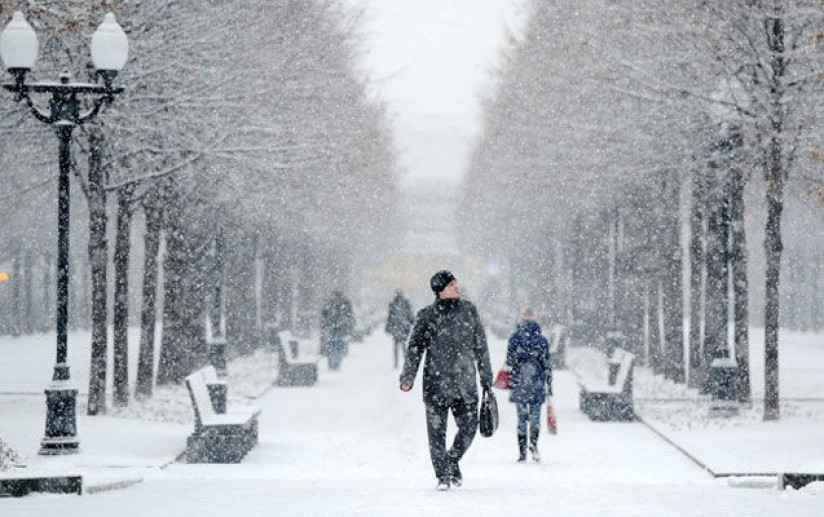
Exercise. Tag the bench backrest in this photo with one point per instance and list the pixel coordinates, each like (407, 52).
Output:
(282, 357)
(209, 375)
(199, 393)
(626, 360)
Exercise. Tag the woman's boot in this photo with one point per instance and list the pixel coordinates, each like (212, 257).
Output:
(533, 443)
(521, 448)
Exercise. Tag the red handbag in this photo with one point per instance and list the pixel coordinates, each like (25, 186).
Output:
(502, 380)
(551, 420)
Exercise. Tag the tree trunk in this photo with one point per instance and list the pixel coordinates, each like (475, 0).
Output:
(196, 277)
(269, 304)
(697, 367)
(120, 318)
(740, 282)
(287, 290)
(774, 27)
(673, 304)
(148, 317)
(716, 308)
(612, 255)
(15, 295)
(772, 245)
(28, 293)
(218, 284)
(98, 259)
(237, 289)
(654, 357)
(175, 363)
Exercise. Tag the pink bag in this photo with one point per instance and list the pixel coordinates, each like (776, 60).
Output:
(551, 420)
(502, 380)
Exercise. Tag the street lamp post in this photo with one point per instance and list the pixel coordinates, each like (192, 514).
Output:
(217, 344)
(109, 49)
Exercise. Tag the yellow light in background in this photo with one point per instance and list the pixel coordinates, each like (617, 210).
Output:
(3, 276)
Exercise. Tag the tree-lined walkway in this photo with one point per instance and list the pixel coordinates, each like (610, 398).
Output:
(354, 444)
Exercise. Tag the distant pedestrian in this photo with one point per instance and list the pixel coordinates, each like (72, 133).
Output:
(528, 358)
(450, 334)
(337, 323)
(399, 323)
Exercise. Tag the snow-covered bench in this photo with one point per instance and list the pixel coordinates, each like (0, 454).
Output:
(293, 371)
(218, 437)
(611, 400)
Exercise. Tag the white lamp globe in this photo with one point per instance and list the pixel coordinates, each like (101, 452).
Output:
(18, 44)
(110, 47)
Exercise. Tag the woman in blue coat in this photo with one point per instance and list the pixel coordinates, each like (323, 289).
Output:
(528, 358)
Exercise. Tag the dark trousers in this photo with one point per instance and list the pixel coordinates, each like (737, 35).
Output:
(466, 418)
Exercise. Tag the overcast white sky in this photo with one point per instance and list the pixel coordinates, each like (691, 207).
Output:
(430, 59)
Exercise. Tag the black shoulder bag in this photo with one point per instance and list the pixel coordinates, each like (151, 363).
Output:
(488, 417)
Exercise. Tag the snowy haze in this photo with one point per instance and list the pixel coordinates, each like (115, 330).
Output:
(430, 60)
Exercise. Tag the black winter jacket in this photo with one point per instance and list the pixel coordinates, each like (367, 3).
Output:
(400, 318)
(450, 333)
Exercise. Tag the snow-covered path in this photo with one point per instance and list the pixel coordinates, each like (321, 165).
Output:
(354, 444)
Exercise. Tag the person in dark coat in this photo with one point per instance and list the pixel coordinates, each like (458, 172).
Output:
(337, 322)
(449, 333)
(399, 322)
(528, 358)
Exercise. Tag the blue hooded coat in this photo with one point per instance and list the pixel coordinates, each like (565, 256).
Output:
(528, 356)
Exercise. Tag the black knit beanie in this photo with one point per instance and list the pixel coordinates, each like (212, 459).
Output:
(440, 280)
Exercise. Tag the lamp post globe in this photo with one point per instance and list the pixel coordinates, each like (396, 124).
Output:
(18, 44)
(109, 46)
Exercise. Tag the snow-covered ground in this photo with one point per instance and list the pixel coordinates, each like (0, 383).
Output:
(355, 445)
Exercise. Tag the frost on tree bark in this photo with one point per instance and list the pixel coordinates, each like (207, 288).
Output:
(697, 367)
(673, 300)
(98, 258)
(175, 363)
(740, 282)
(716, 307)
(120, 319)
(772, 245)
(776, 175)
(145, 366)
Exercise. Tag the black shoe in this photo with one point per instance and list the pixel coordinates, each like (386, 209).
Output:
(521, 448)
(533, 444)
(456, 478)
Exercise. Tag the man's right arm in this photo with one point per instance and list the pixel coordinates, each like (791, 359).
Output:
(418, 342)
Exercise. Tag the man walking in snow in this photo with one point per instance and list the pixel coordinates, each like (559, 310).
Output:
(337, 322)
(450, 334)
(399, 322)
